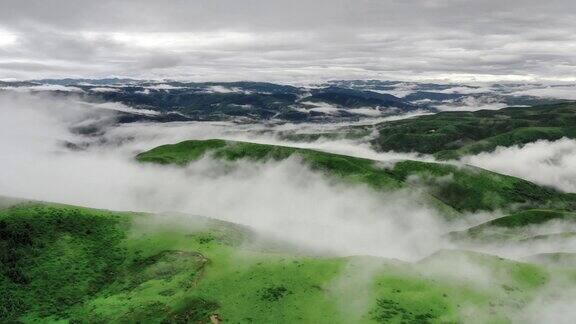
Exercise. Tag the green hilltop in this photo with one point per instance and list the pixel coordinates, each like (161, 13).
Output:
(449, 135)
(451, 188)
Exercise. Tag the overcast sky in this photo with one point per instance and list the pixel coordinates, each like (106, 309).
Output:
(290, 40)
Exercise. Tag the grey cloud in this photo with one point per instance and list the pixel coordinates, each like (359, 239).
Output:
(296, 39)
(161, 61)
(25, 66)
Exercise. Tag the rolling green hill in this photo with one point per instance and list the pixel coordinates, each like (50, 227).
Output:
(69, 264)
(449, 135)
(452, 188)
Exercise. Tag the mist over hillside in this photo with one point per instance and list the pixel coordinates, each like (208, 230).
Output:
(315, 189)
(326, 161)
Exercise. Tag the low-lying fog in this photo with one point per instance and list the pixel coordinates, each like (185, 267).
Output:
(45, 158)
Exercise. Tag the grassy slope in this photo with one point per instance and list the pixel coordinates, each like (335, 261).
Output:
(348, 167)
(530, 217)
(449, 135)
(75, 251)
(452, 188)
(513, 226)
(81, 265)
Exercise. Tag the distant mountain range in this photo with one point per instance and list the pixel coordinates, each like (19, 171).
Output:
(259, 101)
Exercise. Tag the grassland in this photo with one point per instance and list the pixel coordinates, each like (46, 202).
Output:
(76, 265)
(449, 135)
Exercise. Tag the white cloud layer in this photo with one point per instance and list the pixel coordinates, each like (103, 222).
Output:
(561, 92)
